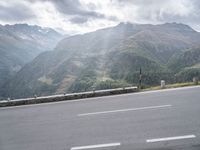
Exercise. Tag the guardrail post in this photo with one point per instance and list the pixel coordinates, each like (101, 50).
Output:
(195, 80)
(162, 84)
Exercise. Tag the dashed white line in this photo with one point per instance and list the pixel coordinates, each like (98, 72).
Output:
(124, 110)
(170, 138)
(96, 146)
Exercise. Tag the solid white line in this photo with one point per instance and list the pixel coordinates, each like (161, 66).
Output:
(96, 146)
(124, 110)
(171, 138)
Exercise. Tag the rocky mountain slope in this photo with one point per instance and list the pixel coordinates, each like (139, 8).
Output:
(107, 58)
(20, 44)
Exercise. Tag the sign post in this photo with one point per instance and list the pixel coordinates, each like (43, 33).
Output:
(140, 79)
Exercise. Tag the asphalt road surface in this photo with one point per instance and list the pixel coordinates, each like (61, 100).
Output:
(157, 120)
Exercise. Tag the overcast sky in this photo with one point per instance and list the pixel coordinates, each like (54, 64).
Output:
(80, 16)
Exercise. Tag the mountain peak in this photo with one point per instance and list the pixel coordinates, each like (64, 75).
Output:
(18, 25)
(179, 26)
(127, 24)
(173, 25)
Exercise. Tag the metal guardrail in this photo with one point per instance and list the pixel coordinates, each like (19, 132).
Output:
(65, 97)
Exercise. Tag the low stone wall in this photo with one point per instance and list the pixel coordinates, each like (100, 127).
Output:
(73, 96)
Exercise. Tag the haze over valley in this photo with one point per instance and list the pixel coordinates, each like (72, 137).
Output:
(55, 47)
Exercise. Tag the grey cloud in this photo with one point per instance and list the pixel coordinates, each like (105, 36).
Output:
(73, 7)
(152, 10)
(147, 11)
(15, 12)
(142, 2)
(79, 20)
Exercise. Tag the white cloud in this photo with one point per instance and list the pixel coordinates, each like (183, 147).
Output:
(79, 16)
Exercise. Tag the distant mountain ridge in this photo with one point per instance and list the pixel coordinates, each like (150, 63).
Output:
(21, 43)
(33, 33)
(108, 58)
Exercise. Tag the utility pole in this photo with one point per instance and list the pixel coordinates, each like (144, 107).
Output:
(140, 79)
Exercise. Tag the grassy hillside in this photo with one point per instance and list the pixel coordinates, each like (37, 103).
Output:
(110, 58)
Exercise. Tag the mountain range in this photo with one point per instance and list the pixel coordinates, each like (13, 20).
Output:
(20, 44)
(109, 58)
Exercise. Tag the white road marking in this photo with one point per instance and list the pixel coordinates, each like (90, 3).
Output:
(170, 138)
(96, 146)
(125, 110)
